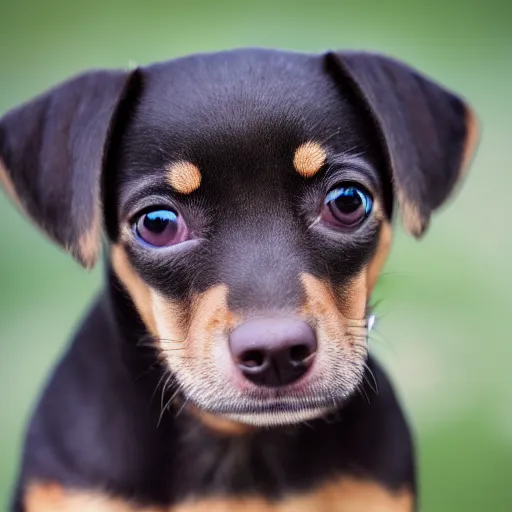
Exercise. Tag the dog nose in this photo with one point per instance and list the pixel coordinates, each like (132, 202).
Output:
(273, 352)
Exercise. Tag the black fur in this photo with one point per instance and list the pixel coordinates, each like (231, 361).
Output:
(239, 116)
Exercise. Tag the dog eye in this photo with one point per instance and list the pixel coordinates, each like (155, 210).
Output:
(347, 206)
(161, 228)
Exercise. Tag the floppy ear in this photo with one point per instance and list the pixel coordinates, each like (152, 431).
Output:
(429, 133)
(52, 152)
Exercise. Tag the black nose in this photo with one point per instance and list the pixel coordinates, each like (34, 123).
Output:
(273, 352)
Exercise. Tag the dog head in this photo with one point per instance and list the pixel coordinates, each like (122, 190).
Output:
(247, 198)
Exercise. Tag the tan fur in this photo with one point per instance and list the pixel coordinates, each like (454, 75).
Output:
(53, 498)
(209, 318)
(8, 186)
(139, 291)
(219, 424)
(309, 159)
(325, 304)
(338, 317)
(184, 177)
(342, 495)
(208, 323)
(352, 299)
(170, 321)
(89, 243)
(208, 313)
(472, 136)
(375, 266)
(163, 318)
(413, 221)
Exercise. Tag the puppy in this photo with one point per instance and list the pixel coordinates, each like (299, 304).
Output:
(246, 200)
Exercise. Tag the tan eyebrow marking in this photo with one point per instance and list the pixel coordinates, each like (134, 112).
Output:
(309, 159)
(184, 177)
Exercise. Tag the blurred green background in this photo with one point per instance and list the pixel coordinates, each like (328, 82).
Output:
(443, 329)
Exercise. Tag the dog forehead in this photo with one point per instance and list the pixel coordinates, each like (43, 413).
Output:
(236, 123)
(249, 102)
(222, 84)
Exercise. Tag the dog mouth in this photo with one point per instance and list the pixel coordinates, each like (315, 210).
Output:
(279, 416)
(273, 414)
(277, 407)
(273, 407)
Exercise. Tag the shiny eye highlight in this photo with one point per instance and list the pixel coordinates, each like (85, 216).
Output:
(347, 206)
(161, 228)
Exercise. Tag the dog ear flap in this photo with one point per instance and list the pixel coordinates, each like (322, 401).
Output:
(429, 133)
(52, 152)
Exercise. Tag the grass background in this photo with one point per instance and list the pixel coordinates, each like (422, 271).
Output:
(444, 319)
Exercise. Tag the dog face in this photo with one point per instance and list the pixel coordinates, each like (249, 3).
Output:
(247, 198)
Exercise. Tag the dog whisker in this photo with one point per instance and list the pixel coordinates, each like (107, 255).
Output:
(168, 403)
(164, 389)
(396, 273)
(382, 341)
(145, 343)
(360, 338)
(163, 376)
(357, 323)
(363, 393)
(375, 386)
(329, 137)
(182, 406)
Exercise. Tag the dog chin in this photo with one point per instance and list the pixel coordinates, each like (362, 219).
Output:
(276, 411)
(278, 418)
